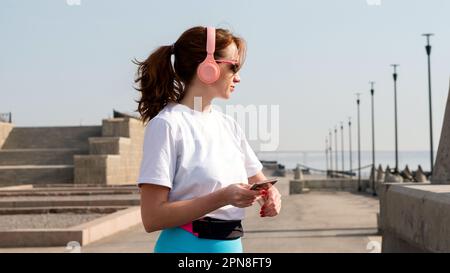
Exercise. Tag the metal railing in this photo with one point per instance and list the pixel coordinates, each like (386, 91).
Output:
(330, 172)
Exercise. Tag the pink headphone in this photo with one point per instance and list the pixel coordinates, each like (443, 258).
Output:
(208, 71)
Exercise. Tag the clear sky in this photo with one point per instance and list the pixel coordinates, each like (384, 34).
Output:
(64, 64)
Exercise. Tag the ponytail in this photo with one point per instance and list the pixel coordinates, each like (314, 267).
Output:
(158, 83)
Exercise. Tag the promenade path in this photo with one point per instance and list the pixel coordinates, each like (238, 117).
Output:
(318, 221)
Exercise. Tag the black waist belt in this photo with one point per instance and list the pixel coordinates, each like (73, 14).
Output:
(211, 228)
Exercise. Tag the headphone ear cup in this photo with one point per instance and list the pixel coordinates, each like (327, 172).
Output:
(208, 71)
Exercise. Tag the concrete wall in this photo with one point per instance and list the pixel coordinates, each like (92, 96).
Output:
(12, 157)
(328, 185)
(5, 129)
(415, 217)
(51, 137)
(113, 158)
(36, 175)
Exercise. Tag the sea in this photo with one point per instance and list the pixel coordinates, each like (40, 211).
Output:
(317, 160)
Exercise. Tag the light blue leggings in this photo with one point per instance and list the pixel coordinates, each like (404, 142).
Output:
(178, 240)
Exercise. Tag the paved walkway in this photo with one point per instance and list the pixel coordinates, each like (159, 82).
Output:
(312, 222)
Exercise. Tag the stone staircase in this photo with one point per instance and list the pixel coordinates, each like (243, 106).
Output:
(43, 155)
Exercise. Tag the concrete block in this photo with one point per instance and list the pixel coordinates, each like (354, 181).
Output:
(90, 169)
(83, 234)
(329, 184)
(415, 217)
(110, 224)
(19, 188)
(109, 145)
(39, 237)
(122, 137)
(35, 174)
(116, 127)
(100, 169)
(296, 186)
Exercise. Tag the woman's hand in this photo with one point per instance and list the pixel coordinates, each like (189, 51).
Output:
(272, 202)
(240, 195)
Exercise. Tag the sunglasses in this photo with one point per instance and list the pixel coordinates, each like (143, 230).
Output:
(234, 64)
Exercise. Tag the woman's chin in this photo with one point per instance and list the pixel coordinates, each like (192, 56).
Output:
(226, 95)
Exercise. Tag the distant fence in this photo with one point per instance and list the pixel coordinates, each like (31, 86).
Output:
(330, 172)
(6, 117)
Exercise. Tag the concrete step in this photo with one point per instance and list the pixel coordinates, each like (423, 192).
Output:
(45, 210)
(36, 174)
(81, 192)
(70, 201)
(85, 186)
(14, 157)
(51, 137)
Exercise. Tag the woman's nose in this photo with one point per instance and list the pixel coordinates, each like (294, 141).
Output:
(236, 78)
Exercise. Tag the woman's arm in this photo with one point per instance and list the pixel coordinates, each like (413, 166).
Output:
(157, 213)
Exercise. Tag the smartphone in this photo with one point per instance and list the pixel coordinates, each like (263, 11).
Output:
(263, 184)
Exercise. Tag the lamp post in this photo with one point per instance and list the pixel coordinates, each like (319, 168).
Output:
(350, 144)
(358, 102)
(331, 153)
(372, 91)
(428, 49)
(342, 146)
(395, 117)
(335, 147)
(326, 153)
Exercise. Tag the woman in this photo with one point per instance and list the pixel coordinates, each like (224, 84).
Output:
(197, 165)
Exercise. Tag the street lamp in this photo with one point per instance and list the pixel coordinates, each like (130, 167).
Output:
(326, 153)
(350, 143)
(335, 146)
(359, 143)
(331, 153)
(395, 104)
(428, 49)
(342, 146)
(372, 91)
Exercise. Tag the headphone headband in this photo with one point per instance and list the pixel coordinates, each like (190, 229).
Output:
(210, 40)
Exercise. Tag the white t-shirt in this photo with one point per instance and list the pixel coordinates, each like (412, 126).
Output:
(196, 153)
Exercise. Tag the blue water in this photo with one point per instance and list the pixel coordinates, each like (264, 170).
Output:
(317, 159)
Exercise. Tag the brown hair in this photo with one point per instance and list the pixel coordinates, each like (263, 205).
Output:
(160, 83)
